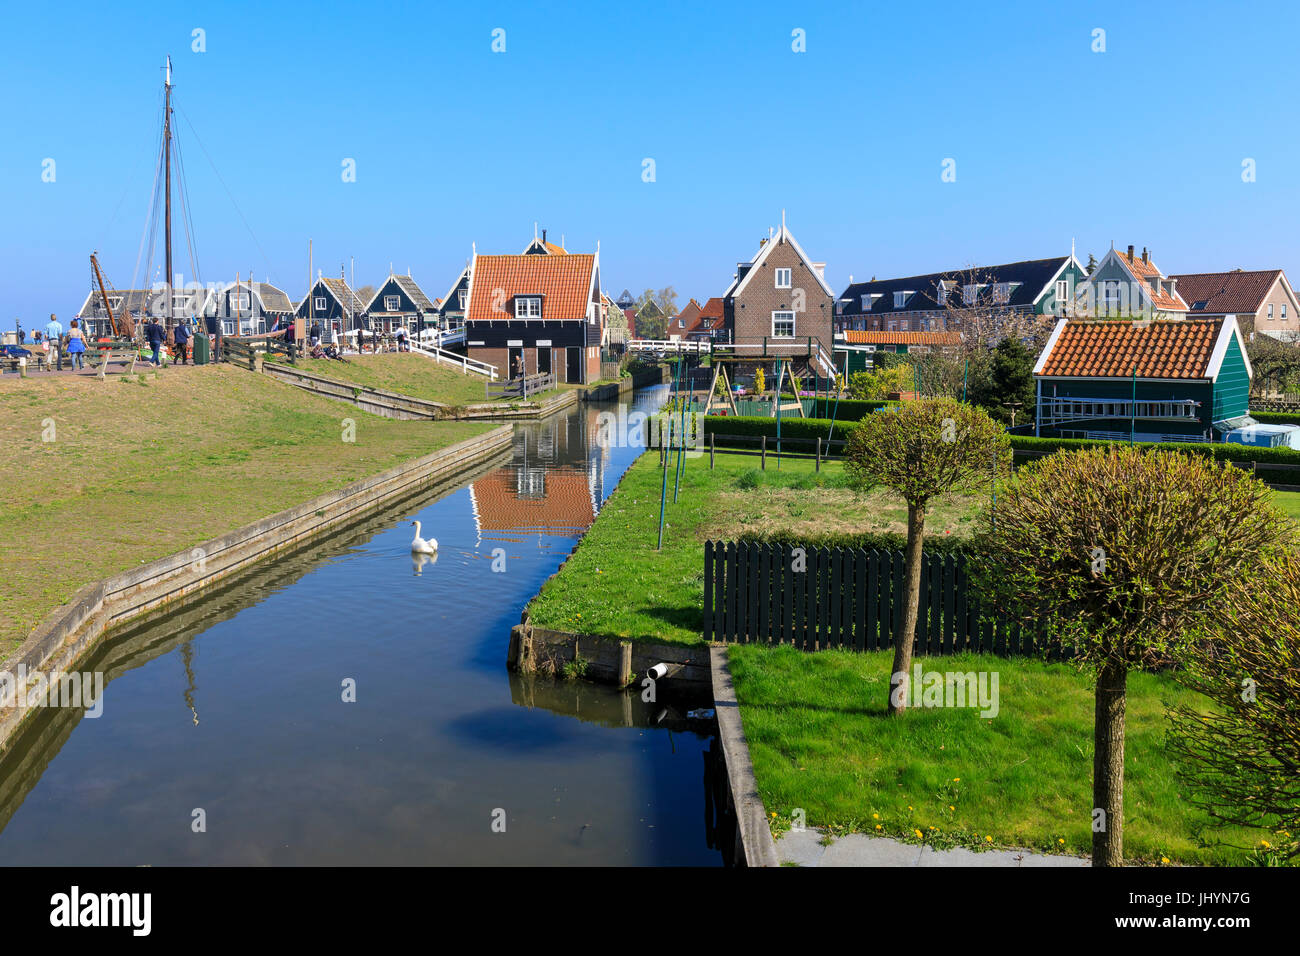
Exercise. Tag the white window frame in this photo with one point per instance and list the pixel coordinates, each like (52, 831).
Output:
(115, 301)
(528, 307)
(460, 297)
(392, 303)
(867, 301)
(1283, 312)
(900, 299)
(1270, 311)
(970, 293)
(783, 313)
(788, 274)
(1002, 293)
(320, 304)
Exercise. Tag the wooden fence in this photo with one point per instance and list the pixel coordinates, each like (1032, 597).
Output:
(849, 598)
(521, 387)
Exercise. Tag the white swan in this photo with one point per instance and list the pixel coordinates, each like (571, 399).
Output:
(419, 545)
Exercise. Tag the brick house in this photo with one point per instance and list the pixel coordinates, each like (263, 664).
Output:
(1262, 301)
(543, 309)
(934, 302)
(683, 323)
(779, 305)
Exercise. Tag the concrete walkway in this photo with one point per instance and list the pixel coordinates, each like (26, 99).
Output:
(804, 848)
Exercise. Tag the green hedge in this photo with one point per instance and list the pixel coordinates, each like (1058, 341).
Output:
(849, 409)
(1276, 418)
(1219, 452)
(877, 540)
(752, 426)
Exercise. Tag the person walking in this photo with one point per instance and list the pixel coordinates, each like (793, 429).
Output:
(315, 334)
(182, 337)
(154, 334)
(53, 333)
(76, 345)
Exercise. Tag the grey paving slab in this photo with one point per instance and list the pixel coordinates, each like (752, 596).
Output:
(858, 849)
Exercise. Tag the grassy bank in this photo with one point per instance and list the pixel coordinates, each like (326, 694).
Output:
(661, 593)
(403, 372)
(137, 471)
(820, 740)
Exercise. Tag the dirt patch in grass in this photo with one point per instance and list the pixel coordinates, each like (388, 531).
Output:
(99, 477)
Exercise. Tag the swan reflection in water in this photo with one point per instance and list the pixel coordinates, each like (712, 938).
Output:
(419, 560)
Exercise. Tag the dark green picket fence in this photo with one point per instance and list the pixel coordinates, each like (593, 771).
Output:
(847, 597)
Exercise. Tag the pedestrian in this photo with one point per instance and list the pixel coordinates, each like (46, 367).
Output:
(315, 334)
(76, 345)
(154, 334)
(519, 366)
(182, 337)
(20, 331)
(54, 332)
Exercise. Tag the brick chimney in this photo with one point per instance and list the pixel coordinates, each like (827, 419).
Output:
(1130, 253)
(1146, 256)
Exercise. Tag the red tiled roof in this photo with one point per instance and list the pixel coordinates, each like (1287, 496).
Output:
(1159, 348)
(1227, 292)
(859, 337)
(565, 507)
(563, 281)
(1145, 270)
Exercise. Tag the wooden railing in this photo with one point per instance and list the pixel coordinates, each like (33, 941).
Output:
(521, 388)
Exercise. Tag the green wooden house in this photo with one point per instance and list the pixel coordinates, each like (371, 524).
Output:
(1152, 380)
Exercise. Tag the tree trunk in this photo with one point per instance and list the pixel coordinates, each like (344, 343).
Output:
(899, 687)
(1108, 765)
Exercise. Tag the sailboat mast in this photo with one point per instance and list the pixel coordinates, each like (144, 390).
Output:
(167, 161)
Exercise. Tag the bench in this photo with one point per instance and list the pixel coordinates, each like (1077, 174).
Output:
(121, 354)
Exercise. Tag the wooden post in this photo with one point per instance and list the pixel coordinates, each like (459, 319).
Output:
(712, 436)
(624, 663)
(763, 459)
(819, 453)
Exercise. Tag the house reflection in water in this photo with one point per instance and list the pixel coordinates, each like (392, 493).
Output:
(554, 487)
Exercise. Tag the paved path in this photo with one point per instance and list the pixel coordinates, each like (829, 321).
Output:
(857, 849)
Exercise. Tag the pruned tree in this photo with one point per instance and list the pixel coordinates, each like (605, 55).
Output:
(1123, 556)
(924, 450)
(1242, 755)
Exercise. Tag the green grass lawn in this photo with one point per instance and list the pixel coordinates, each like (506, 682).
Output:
(821, 740)
(402, 372)
(138, 471)
(1289, 503)
(660, 594)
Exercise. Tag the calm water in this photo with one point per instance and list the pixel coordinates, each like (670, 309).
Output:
(233, 705)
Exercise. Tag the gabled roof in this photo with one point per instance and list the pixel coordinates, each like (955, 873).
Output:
(1155, 348)
(269, 298)
(689, 316)
(567, 504)
(1223, 293)
(564, 282)
(446, 302)
(542, 247)
(408, 286)
(783, 235)
(339, 289)
(1143, 270)
(936, 339)
(1029, 279)
(135, 301)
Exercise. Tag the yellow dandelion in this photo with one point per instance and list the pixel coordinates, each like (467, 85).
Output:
(877, 826)
(919, 834)
(988, 839)
(1060, 841)
(1265, 844)
(956, 779)
(909, 808)
(951, 807)
(1164, 859)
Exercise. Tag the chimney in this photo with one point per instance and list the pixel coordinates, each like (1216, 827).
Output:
(543, 237)
(1130, 253)
(1146, 256)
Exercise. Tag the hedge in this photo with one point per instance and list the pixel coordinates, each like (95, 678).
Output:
(753, 426)
(868, 540)
(1276, 418)
(1228, 451)
(849, 410)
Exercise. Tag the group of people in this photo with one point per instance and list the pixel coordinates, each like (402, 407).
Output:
(52, 343)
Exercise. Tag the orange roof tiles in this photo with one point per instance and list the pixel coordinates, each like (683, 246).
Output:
(1160, 348)
(1227, 292)
(1144, 270)
(565, 507)
(859, 337)
(564, 282)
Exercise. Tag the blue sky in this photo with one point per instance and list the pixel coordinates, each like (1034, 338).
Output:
(455, 144)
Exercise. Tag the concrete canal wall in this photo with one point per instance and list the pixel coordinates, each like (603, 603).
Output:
(60, 641)
(612, 391)
(753, 831)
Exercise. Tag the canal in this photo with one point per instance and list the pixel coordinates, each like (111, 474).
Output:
(225, 736)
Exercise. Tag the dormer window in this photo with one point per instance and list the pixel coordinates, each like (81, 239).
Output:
(1002, 293)
(783, 279)
(970, 292)
(900, 299)
(528, 307)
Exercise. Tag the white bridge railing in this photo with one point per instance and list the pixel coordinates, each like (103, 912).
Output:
(466, 365)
